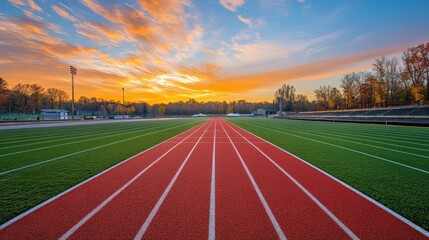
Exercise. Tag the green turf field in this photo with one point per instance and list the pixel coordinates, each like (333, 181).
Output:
(37, 164)
(388, 163)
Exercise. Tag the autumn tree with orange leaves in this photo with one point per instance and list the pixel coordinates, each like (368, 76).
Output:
(416, 69)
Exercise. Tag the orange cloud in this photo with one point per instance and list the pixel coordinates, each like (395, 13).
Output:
(100, 33)
(63, 13)
(310, 71)
(17, 2)
(161, 65)
(34, 5)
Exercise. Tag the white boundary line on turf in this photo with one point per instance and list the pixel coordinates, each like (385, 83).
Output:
(212, 214)
(386, 134)
(86, 150)
(267, 208)
(155, 209)
(74, 136)
(78, 132)
(11, 221)
(308, 193)
(80, 141)
(345, 148)
(116, 193)
(67, 124)
(395, 214)
(346, 135)
(344, 140)
(356, 132)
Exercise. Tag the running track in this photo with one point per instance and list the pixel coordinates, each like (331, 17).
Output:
(213, 181)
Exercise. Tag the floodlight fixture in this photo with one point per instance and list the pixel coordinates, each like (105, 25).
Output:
(73, 72)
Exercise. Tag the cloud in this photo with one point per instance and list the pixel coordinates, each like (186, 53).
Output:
(301, 1)
(252, 23)
(162, 34)
(309, 71)
(277, 6)
(63, 13)
(17, 2)
(231, 5)
(100, 33)
(248, 52)
(159, 51)
(34, 5)
(162, 29)
(360, 39)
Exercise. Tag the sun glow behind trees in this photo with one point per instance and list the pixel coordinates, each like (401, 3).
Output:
(389, 84)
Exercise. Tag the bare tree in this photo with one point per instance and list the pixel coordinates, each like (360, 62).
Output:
(322, 97)
(301, 104)
(382, 85)
(21, 95)
(52, 95)
(36, 97)
(62, 97)
(350, 84)
(287, 94)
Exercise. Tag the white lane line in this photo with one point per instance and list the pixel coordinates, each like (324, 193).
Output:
(270, 214)
(117, 192)
(364, 144)
(67, 124)
(80, 141)
(212, 216)
(395, 214)
(366, 140)
(69, 137)
(81, 183)
(87, 150)
(155, 209)
(311, 196)
(341, 147)
(64, 134)
(356, 136)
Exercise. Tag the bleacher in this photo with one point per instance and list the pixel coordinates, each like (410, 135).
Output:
(409, 115)
(358, 112)
(424, 111)
(399, 112)
(375, 112)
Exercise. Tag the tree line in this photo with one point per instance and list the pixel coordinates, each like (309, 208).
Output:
(32, 98)
(389, 84)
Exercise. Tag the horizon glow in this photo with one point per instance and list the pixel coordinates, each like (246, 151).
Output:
(214, 50)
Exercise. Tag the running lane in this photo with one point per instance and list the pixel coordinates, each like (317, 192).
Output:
(123, 216)
(364, 217)
(52, 219)
(239, 211)
(290, 206)
(184, 214)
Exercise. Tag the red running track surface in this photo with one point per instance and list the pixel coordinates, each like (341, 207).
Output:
(215, 180)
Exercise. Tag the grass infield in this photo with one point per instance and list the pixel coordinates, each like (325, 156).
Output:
(39, 163)
(388, 163)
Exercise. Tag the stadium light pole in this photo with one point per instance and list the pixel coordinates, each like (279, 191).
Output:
(73, 72)
(123, 102)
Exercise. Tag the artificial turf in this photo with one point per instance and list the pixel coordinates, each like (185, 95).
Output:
(388, 163)
(39, 163)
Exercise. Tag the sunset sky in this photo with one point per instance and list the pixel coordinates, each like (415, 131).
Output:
(169, 50)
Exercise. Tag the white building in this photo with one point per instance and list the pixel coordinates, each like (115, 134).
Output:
(199, 115)
(233, 115)
(54, 114)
